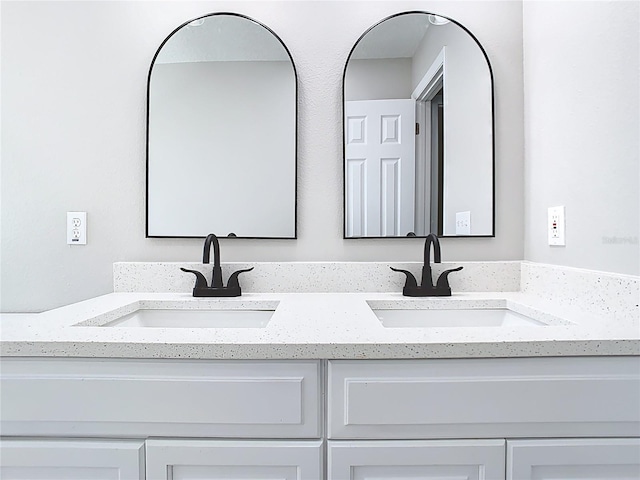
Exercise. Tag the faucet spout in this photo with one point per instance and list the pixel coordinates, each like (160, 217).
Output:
(430, 243)
(216, 280)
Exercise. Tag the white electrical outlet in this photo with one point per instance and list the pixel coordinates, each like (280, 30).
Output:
(76, 228)
(555, 226)
(463, 223)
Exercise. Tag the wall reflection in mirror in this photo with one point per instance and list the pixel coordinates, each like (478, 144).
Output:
(222, 132)
(418, 131)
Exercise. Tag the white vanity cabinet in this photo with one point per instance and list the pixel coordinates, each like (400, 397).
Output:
(85, 459)
(478, 405)
(491, 419)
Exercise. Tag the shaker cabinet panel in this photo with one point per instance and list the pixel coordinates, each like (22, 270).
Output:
(172, 398)
(72, 460)
(241, 460)
(411, 460)
(574, 459)
(484, 398)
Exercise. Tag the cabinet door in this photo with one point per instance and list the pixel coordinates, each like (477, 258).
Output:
(72, 460)
(412, 460)
(233, 460)
(567, 459)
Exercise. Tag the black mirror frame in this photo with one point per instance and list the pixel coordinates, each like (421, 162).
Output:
(493, 129)
(295, 73)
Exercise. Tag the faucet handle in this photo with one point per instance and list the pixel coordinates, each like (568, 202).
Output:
(443, 280)
(201, 282)
(411, 280)
(233, 279)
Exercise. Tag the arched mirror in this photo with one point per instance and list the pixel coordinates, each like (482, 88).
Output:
(418, 131)
(221, 132)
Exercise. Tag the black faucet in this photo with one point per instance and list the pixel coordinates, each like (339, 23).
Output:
(442, 288)
(217, 288)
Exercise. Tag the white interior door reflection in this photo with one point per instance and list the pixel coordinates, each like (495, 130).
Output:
(380, 167)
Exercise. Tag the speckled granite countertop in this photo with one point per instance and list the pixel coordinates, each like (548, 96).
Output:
(317, 326)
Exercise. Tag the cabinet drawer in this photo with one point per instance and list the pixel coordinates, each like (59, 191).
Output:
(488, 398)
(161, 398)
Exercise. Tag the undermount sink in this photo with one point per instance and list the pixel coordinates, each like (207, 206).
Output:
(437, 318)
(175, 318)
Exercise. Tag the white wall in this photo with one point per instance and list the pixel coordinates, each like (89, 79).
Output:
(378, 79)
(582, 115)
(73, 137)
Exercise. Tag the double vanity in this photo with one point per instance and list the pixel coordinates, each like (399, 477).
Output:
(500, 383)
(325, 370)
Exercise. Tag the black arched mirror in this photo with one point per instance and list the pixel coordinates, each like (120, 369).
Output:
(221, 132)
(418, 131)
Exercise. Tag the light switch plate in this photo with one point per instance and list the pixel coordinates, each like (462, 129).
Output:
(556, 226)
(463, 223)
(76, 228)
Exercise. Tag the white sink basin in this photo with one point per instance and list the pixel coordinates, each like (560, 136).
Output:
(437, 318)
(169, 318)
